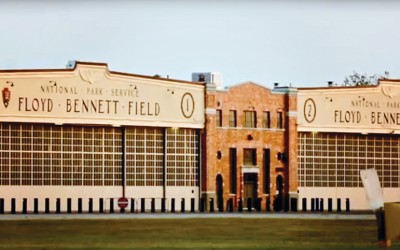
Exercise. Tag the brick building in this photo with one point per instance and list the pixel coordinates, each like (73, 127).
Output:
(249, 144)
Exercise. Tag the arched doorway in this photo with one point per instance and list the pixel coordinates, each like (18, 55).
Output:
(220, 193)
(278, 199)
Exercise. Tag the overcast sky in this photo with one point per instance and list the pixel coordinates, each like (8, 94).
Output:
(303, 43)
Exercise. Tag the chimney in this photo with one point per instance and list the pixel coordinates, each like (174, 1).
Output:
(330, 83)
(276, 84)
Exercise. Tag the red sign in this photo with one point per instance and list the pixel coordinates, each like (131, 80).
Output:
(123, 202)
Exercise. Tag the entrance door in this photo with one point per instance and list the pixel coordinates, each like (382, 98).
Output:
(278, 202)
(220, 193)
(250, 187)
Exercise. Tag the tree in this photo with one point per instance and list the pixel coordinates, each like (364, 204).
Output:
(357, 79)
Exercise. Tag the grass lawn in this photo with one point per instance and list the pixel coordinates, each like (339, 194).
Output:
(221, 233)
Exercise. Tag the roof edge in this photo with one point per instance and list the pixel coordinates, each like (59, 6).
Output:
(99, 64)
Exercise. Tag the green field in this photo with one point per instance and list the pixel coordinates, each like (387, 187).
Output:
(221, 233)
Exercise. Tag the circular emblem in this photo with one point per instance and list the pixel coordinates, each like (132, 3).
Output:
(310, 110)
(187, 105)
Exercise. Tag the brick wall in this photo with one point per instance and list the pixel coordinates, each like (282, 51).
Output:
(251, 97)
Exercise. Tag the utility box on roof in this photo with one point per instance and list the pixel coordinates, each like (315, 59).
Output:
(208, 77)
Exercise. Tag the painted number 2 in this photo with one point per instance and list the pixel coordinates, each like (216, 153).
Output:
(310, 110)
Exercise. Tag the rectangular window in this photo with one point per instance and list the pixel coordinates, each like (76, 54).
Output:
(181, 157)
(250, 157)
(232, 166)
(267, 119)
(267, 167)
(218, 118)
(144, 156)
(335, 160)
(59, 155)
(250, 119)
(232, 118)
(280, 120)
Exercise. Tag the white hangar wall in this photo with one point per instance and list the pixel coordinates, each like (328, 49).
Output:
(92, 135)
(342, 130)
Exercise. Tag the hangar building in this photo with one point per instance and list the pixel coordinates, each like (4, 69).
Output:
(342, 130)
(85, 136)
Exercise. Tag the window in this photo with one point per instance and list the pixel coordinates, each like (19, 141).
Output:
(232, 167)
(92, 156)
(250, 119)
(60, 155)
(335, 160)
(267, 169)
(250, 156)
(280, 120)
(267, 119)
(218, 118)
(232, 118)
(144, 156)
(181, 157)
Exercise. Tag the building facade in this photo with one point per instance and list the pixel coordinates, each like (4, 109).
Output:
(86, 135)
(79, 139)
(249, 145)
(342, 130)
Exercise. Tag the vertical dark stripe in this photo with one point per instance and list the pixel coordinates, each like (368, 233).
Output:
(267, 180)
(198, 159)
(164, 160)
(123, 160)
(233, 170)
